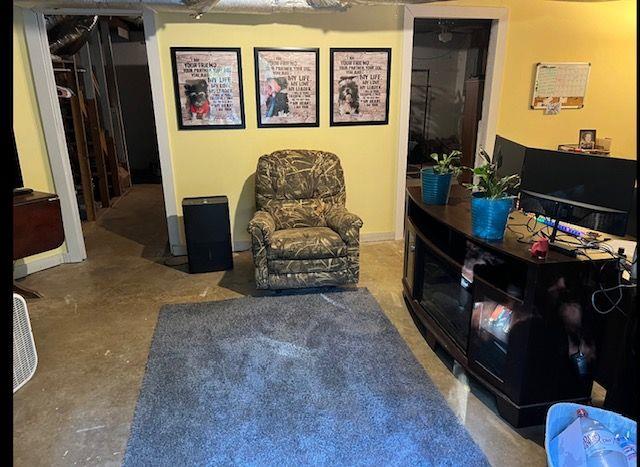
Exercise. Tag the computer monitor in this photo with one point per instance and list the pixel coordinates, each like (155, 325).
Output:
(632, 224)
(509, 156)
(592, 191)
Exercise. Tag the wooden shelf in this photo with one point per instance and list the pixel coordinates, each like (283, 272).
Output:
(453, 282)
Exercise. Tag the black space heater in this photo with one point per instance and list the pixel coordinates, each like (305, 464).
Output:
(206, 226)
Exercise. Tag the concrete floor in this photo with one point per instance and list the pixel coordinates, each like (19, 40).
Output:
(93, 330)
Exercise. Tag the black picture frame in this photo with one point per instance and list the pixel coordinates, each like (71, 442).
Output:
(176, 88)
(581, 143)
(332, 52)
(256, 55)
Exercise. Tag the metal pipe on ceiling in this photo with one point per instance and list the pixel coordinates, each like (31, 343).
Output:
(213, 6)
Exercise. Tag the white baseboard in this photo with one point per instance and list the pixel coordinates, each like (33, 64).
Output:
(178, 250)
(24, 269)
(244, 245)
(241, 245)
(377, 236)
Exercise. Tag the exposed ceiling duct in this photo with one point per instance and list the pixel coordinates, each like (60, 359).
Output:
(199, 7)
(67, 34)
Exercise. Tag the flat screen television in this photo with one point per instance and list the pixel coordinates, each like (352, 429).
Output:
(592, 191)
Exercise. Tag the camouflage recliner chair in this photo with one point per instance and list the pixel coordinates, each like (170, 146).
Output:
(301, 234)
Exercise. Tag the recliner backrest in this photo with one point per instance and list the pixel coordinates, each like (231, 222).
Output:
(298, 186)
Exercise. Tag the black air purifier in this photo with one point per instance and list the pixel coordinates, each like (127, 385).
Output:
(206, 226)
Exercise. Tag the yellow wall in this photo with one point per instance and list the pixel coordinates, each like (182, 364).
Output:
(27, 126)
(32, 150)
(223, 161)
(603, 33)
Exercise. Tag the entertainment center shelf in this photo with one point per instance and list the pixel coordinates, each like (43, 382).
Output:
(523, 327)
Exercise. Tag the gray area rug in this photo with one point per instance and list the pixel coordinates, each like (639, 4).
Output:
(302, 379)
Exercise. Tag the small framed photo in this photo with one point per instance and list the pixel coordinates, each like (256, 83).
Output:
(587, 139)
(359, 81)
(208, 88)
(287, 93)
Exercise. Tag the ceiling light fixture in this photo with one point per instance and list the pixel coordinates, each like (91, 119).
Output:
(445, 36)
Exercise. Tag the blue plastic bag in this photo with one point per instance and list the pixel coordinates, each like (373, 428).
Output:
(561, 415)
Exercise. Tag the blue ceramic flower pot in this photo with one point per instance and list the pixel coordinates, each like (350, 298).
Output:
(489, 216)
(435, 187)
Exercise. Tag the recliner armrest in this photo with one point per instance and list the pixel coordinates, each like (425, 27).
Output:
(262, 225)
(346, 224)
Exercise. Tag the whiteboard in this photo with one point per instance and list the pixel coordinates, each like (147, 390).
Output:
(564, 83)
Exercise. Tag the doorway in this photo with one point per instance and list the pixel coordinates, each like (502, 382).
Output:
(104, 93)
(486, 131)
(448, 68)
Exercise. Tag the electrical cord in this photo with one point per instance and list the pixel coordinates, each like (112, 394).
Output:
(532, 231)
(581, 245)
(605, 290)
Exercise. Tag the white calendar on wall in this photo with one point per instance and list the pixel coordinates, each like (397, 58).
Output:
(563, 83)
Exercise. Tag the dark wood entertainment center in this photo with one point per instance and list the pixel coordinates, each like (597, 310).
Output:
(523, 327)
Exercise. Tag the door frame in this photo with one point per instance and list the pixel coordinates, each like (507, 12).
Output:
(51, 117)
(499, 17)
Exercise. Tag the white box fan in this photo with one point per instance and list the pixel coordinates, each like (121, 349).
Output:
(25, 358)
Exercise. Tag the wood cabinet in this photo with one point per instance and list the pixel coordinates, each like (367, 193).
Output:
(37, 224)
(523, 327)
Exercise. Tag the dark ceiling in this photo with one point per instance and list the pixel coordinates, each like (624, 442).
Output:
(422, 25)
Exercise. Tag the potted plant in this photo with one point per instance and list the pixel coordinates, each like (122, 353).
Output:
(490, 201)
(436, 180)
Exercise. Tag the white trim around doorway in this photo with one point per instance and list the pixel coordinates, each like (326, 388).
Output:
(35, 31)
(50, 114)
(493, 80)
(162, 128)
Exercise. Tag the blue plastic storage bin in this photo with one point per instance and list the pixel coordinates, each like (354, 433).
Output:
(562, 414)
(435, 187)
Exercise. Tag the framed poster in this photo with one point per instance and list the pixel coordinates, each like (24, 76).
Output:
(287, 87)
(208, 88)
(359, 86)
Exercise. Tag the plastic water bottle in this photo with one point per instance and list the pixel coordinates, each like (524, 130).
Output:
(628, 448)
(600, 446)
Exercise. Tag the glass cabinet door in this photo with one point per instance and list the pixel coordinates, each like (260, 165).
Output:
(495, 315)
(445, 294)
(409, 257)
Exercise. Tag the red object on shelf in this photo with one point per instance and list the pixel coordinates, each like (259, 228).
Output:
(540, 248)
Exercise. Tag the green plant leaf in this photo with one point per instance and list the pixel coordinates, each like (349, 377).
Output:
(488, 180)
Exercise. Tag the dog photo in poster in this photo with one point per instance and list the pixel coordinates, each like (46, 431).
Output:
(360, 86)
(208, 87)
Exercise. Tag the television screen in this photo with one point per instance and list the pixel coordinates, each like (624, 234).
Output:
(592, 191)
(598, 181)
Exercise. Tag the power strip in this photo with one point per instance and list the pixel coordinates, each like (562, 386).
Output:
(561, 227)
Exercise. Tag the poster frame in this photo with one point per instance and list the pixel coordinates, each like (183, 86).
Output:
(176, 88)
(332, 52)
(256, 54)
